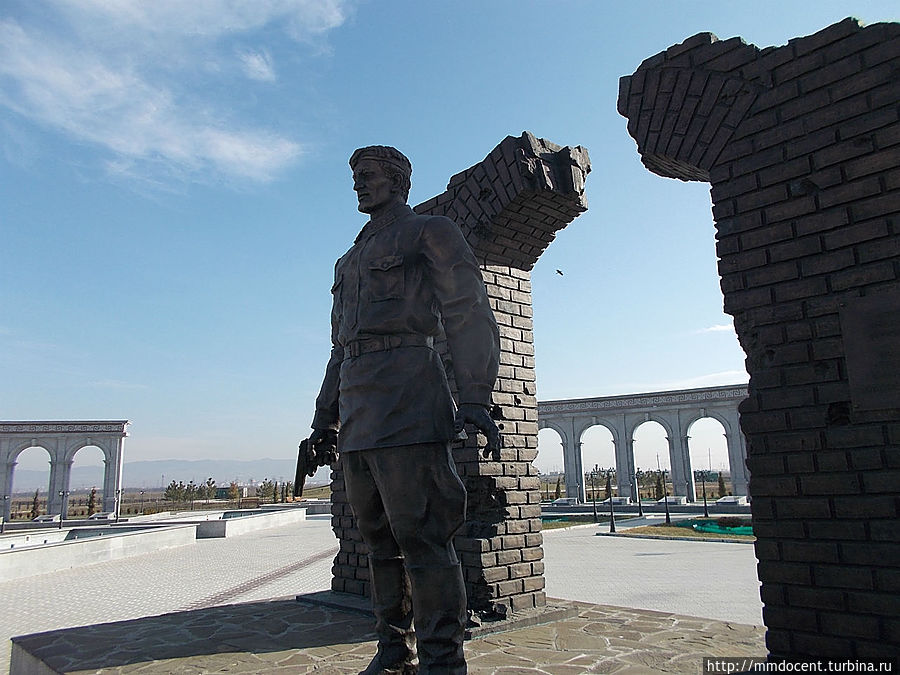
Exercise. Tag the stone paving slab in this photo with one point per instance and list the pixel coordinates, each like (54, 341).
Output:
(679, 578)
(476, 628)
(284, 636)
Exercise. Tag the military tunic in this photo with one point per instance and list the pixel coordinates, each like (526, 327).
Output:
(405, 277)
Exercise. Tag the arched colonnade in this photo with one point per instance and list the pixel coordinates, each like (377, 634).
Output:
(676, 411)
(62, 440)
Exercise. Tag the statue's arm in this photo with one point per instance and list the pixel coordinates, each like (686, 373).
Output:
(327, 415)
(469, 323)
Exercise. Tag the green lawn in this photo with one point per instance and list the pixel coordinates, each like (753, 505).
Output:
(682, 532)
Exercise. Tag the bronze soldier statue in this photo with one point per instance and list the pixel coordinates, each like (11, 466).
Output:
(385, 404)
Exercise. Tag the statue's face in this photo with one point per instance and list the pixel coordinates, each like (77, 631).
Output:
(374, 189)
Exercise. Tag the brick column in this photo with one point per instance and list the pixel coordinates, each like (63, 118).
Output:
(510, 207)
(801, 144)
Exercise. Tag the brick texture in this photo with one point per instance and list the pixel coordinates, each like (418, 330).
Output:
(509, 206)
(801, 145)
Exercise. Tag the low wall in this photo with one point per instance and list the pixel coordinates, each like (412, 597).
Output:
(235, 526)
(52, 557)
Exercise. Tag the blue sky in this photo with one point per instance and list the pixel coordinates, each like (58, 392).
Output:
(174, 191)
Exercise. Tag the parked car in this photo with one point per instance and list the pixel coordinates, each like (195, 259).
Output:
(46, 519)
(564, 501)
(102, 516)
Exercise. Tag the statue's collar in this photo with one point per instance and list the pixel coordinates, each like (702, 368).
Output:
(391, 215)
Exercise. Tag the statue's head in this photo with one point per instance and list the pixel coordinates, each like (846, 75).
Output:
(375, 162)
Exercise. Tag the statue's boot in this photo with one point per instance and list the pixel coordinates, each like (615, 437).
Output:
(439, 605)
(390, 589)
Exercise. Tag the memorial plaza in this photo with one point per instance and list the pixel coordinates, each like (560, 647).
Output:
(615, 605)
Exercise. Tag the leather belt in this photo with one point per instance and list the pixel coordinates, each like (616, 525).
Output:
(381, 343)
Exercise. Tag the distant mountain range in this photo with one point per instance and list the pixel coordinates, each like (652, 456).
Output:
(153, 474)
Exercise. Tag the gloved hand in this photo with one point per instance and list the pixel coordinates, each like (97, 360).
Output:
(322, 448)
(478, 415)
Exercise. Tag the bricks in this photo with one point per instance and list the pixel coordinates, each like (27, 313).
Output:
(806, 195)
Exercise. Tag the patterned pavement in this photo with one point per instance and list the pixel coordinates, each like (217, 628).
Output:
(713, 580)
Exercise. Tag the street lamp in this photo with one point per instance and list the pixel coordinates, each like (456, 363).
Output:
(637, 491)
(5, 512)
(191, 493)
(142, 503)
(703, 481)
(612, 513)
(665, 492)
(594, 490)
(62, 506)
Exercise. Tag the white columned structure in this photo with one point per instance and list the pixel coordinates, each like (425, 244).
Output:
(676, 411)
(737, 452)
(62, 440)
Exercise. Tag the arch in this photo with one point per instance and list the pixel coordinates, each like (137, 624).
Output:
(661, 421)
(86, 474)
(662, 451)
(550, 459)
(108, 449)
(547, 424)
(703, 439)
(22, 446)
(36, 460)
(62, 440)
(698, 415)
(675, 411)
(703, 448)
(597, 457)
(582, 441)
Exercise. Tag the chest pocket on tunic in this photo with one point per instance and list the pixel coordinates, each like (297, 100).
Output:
(386, 278)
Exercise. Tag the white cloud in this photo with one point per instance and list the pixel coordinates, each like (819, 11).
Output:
(258, 66)
(303, 19)
(117, 75)
(717, 328)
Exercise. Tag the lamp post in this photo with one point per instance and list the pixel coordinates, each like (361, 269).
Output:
(62, 506)
(5, 512)
(594, 490)
(142, 503)
(117, 503)
(637, 491)
(665, 492)
(191, 493)
(703, 481)
(612, 513)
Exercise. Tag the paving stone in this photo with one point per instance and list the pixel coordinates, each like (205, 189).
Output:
(123, 617)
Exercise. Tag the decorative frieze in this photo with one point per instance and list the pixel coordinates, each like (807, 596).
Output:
(650, 400)
(117, 426)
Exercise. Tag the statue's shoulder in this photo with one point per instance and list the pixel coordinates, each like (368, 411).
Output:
(440, 227)
(342, 261)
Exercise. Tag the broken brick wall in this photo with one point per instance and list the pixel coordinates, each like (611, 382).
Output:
(801, 145)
